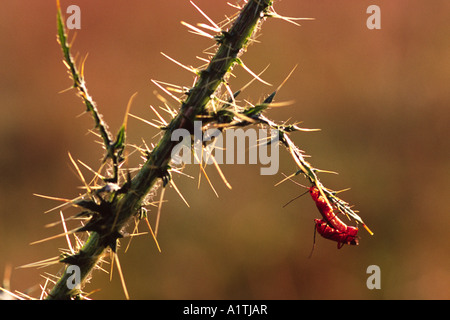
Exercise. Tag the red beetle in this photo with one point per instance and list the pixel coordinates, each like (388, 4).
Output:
(325, 230)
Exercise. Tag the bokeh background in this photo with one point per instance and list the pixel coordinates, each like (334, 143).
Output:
(381, 98)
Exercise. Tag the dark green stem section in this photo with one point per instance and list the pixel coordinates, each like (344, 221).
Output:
(232, 43)
(92, 252)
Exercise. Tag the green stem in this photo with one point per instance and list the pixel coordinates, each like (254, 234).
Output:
(232, 43)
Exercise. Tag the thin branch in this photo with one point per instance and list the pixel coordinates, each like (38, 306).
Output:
(112, 215)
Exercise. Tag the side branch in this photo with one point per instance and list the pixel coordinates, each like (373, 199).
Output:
(78, 80)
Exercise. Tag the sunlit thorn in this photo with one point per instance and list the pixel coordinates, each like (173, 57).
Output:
(65, 90)
(209, 52)
(175, 90)
(11, 294)
(207, 26)
(41, 263)
(200, 165)
(89, 131)
(172, 112)
(166, 91)
(202, 170)
(50, 277)
(146, 121)
(43, 289)
(97, 174)
(241, 63)
(54, 237)
(159, 116)
(78, 241)
(298, 158)
(306, 129)
(69, 244)
(111, 256)
(292, 20)
(220, 172)
(254, 79)
(98, 267)
(72, 41)
(191, 69)
(86, 295)
(197, 30)
(79, 173)
(171, 85)
(234, 5)
(153, 234)
(230, 92)
(368, 230)
(127, 112)
(287, 78)
(263, 142)
(158, 215)
(285, 179)
(82, 64)
(182, 173)
(135, 231)
(137, 234)
(179, 193)
(344, 208)
(216, 27)
(229, 20)
(328, 171)
(122, 279)
(213, 105)
(147, 149)
(160, 97)
(244, 117)
(279, 104)
(201, 59)
(67, 201)
(25, 296)
(66, 64)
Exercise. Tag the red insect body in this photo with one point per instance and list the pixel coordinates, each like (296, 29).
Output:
(327, 211)
(331, 227)
(328, 232)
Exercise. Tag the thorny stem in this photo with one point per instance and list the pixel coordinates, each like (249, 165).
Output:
(113, 148)
(79, 83)
(307, 170)
(232, 43)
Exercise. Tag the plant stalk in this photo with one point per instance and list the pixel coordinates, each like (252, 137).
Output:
(232, 43)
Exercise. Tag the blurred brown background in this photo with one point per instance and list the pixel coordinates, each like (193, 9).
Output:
(381, 98)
